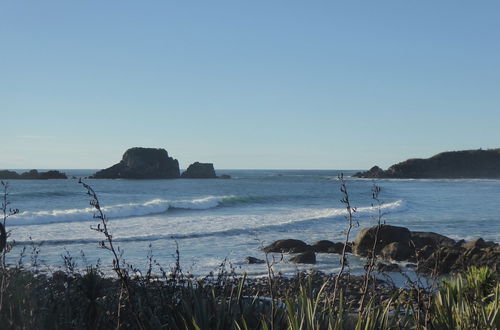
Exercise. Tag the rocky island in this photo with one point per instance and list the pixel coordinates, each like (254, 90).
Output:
(199, 170)
(480, 164)
(31, 175)
(142, 163)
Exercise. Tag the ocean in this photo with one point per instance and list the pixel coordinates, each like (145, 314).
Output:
(216, 221)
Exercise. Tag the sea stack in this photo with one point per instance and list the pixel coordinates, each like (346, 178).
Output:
(142, 163)
(199, 170)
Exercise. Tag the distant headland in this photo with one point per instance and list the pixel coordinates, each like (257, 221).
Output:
(31, 175)
(464, 164)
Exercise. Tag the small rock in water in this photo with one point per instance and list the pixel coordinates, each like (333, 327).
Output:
(287, 245)
(304, 258)
(253, 260)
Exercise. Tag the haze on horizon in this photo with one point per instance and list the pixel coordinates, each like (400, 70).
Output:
(283, 85)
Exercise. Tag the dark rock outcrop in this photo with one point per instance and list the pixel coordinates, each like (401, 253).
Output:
(325, 246)
(142, 163)
(224, 176)
(287, 246)
(434, 253)
(396, 251)
(453, 164)
(253, 260)
(453, 259)
(308, 257)
(420, 239)
(32, 175)
(363, 244)
(199, 170)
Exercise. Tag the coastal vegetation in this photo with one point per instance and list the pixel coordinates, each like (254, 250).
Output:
(83, 297)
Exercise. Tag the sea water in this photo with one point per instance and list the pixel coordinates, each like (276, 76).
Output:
(215, 221)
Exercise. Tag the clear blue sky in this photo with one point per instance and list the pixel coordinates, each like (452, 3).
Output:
(247, 84)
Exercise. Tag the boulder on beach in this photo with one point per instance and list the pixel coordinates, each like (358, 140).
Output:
(199, 170)
(364, 241)
(142, 163)
(308, 257)
(287, 246)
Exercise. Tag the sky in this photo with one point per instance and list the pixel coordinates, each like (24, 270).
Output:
(247, 84)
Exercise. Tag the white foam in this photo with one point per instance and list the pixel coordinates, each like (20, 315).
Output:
(155, 206)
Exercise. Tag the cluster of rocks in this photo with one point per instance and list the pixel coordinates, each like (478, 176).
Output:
(428, 252)
(304, 253)
(31, 175)
(452, 164)
(151, 163)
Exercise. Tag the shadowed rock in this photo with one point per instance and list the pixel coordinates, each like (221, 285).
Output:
(396, 251)
(420, 239)
(308, 257)
(253, 260)
(199, 170)
(325, 246)
(363, 244)
(287, 245)
(142, 163)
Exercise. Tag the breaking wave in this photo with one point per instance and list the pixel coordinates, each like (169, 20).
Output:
(155, 206)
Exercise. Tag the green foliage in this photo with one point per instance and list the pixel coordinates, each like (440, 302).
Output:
(469, 301)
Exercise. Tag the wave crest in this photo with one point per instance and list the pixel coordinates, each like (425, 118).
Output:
(155, 206)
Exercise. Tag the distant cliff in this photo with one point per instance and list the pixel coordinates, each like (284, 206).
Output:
(447, 165)
(31, 175)
(142, 163)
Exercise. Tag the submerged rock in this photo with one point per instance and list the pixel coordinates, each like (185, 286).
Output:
(308, 257)
(199, 170)
(253, 260)
(325, 246)
(142, 163)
